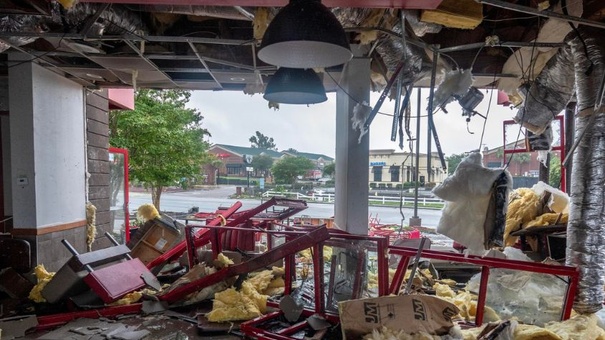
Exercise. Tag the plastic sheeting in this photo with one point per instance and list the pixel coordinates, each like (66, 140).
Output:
(532, 298)
(468, 193)
(586, 227)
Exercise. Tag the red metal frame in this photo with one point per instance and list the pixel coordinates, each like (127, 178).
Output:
(51, 321)
(124, 153)
(180, 248)
(256, 218)
(304, 241)
(486, 263)
(338, 238)
(560, 148)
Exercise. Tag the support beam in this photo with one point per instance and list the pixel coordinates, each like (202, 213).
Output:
(351, 203)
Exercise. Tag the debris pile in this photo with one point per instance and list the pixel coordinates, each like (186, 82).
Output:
(318, 283)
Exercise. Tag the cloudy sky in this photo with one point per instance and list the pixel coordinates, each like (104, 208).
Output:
(233, 117)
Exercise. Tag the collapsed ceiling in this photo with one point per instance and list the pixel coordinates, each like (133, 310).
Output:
(202, 46)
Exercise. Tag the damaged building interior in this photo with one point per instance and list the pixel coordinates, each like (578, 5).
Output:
(238, 273)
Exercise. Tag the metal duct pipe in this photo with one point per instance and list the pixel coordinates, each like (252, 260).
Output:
(234, 13)
(391, 49)
(14, 23)
(549, 93)
(420, 28)
(586, 226)
(114, 20)
(417, 63)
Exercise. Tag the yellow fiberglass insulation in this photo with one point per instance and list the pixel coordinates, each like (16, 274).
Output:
(306, 254)
(523, 206)
(234, 305)
(467, 303)
(223, 261)
(91, 224)
(261, 22)
(443, 290)
(385, 333)
(389, 334)
(268, 282)
(147, 212)
(580, 327)
(44, 278)
(547, 219)
(261, 280)
(128, 299)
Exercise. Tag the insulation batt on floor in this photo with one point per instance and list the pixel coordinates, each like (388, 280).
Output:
(580, 327)
(250, 301)
(234, 305)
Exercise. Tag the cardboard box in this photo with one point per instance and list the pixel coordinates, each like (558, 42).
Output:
(409, 313)
(154, 238)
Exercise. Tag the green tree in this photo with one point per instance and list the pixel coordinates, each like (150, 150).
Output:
(329, 169)
(262, 164)
(262, 142)
(453, 161)
(554, 172)
(165, 140)
(287, 169)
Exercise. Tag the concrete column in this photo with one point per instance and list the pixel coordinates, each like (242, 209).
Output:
(351, 202)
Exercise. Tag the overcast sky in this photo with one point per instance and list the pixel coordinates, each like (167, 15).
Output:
(233, 117)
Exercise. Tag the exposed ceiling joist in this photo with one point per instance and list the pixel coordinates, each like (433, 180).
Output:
(407, 4)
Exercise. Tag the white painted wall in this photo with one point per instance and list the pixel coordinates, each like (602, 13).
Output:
(48, 150)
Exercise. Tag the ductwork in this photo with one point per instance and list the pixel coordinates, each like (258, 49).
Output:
(417, 64)
(420, 28)
(549, 93)
(586, 226)
(21, 23)
(113, 20)
(391, 49)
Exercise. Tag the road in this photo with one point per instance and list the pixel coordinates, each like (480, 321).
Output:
(210, 200)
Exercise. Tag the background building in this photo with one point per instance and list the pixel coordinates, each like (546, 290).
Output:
(388, 168)
(232, 161)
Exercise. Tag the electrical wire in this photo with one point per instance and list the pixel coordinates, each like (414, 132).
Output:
(511, 19)
(489, 106)
(475, 58)
(356, 101)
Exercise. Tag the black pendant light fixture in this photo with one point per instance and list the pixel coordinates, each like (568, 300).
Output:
(305, 34)
(295, 86)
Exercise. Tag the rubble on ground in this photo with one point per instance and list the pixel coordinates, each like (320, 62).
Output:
(218, 296)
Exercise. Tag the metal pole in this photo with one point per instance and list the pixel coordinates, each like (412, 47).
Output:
(416, 169)
(429, 157)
